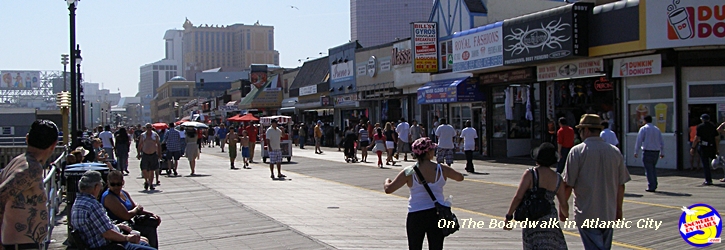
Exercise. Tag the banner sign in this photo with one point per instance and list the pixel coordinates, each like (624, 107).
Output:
(19, 79)
(478, 48)
(258, 75)
(551, 34)
(342, 71)
(637, 66)
(510, 76)
(581, 68)
(425, 47)
(683, 23)
(308, 90)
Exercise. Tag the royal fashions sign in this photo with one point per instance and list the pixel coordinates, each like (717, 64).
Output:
(685, 23)
(478, 48)
(547, 35)
(637, 66)
(425, 47)
(581, 68)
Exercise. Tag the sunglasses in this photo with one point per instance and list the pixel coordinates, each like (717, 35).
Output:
(115, 184)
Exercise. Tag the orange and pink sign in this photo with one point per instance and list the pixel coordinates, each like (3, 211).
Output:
(683, 23)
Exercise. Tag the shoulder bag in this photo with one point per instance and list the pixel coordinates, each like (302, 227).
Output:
(534, 205)
(444, 212)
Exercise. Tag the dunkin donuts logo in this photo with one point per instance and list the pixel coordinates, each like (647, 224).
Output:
(690, 22)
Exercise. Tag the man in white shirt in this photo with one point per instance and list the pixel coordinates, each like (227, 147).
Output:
(273, 139)
(469, 136)
(403, 130)
(107, 138)
(649, 140)
(445, 134)
(608, 135)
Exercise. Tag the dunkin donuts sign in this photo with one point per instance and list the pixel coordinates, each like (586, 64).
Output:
(681, 23)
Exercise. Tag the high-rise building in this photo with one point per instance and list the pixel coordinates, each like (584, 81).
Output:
(154, 74)
(376, 22)
(232, 47)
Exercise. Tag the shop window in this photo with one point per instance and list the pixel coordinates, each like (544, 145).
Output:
(574, 98)
(707, 90)
(662, 116)
(446, 50)
(516, 122)
(662, 92)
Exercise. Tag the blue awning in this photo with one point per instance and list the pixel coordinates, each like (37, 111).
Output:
(450, 91)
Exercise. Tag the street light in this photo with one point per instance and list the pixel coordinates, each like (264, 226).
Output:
(92, 124)
(72, 4)
(78, 59)
(64, 61)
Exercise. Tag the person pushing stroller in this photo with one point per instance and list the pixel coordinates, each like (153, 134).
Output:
(349, 142)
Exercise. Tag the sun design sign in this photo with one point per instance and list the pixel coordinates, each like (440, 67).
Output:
(550, 34)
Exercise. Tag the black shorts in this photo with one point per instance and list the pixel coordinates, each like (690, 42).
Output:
(363, 144)
(149, 161)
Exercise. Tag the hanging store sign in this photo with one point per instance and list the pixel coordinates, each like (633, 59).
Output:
(683, 23)
(551, 34)
(478, 48)
(573, 69)
(510, 76)
(637, 66)
(308, 90)
(425, 47)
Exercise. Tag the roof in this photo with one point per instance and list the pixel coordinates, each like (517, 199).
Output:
(476, 6)
(312, 73)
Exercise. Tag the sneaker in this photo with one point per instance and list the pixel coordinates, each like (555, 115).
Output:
(152, 188)
(175, 173)
(707, 183)
(281, 176)
(272, 176)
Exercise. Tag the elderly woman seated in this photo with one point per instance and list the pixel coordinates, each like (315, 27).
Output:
(120, 207)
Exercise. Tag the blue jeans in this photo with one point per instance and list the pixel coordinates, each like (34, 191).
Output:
(140, 246)
(649, 158)
(122, 163)
(562, 161)
(596, 238)
(302, 142)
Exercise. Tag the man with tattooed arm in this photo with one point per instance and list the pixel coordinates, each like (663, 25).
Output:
(23, 210)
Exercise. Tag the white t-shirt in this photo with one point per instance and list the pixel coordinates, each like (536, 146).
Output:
(274, 136)
(106, 137)
(403, 130)
(469, 136)
(445, 134)
(182, 135)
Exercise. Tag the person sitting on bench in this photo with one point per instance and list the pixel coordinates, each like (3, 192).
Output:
(89, 217)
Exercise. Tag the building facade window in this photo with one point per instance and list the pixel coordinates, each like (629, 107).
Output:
(446, 50)
(656, 100)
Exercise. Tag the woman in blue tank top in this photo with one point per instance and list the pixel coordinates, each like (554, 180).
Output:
(119, 205)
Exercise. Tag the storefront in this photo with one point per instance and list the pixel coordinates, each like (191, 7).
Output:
(408, 83)
(348, 110)
(343, 90)
(375, 87)
(457, 100)
(514, 109)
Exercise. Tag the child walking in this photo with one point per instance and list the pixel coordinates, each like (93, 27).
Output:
(232, 139)
(244, 142)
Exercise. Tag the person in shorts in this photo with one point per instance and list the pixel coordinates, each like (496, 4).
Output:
(273, 139)
(149, 152)
(244, 143)
(173, 147)
(232, 138)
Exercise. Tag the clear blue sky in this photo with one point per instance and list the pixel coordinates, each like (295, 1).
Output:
(117, 37)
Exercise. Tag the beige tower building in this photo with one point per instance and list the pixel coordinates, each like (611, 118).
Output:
(232, 47)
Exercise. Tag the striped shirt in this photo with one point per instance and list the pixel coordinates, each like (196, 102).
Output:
(363, 135)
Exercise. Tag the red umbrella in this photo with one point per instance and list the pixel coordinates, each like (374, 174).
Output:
(249, 117)
(160, 125)
(234, 118)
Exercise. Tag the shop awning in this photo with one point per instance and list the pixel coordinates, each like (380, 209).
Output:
(450, 91)
(264, 97)
(290, 102)
(308, 105)
(287, 110)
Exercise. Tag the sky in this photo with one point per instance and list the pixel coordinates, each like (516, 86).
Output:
(117, 37)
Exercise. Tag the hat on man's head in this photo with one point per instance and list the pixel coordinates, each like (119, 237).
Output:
(319, 122)
(590, 121)
(545, 154)
(705, 117)
(83, 151)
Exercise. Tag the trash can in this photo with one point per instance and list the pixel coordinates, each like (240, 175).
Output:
(73, 174)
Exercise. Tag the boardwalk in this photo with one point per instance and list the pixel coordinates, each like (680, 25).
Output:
(327, 203)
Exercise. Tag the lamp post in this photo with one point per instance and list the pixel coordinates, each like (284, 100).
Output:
(72, 4)
(79, 88)
(92, 124)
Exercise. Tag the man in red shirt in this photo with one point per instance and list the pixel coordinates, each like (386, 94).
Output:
(565, 141)
(252, 132)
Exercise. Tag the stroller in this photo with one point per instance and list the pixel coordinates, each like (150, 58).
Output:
(165, 158)
(350, 143)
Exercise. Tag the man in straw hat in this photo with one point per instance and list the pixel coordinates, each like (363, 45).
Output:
(596, 172)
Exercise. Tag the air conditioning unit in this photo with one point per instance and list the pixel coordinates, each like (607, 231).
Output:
(7, 130)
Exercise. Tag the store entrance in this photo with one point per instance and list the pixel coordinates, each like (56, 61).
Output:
(696, 110)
